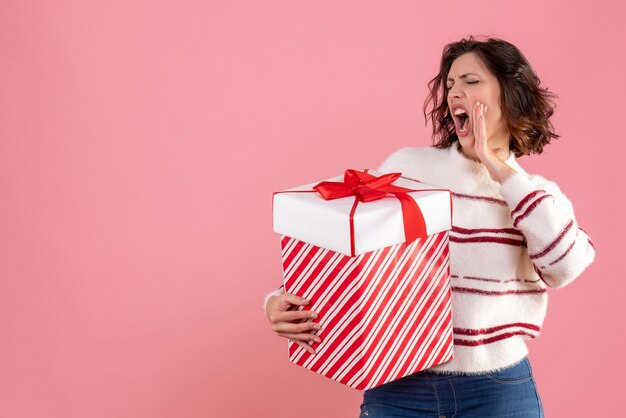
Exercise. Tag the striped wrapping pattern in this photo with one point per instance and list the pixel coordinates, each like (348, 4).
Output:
(384, 314)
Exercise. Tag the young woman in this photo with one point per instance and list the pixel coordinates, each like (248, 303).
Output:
(514, 235)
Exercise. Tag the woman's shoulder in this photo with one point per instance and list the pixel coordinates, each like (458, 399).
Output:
(406, 158)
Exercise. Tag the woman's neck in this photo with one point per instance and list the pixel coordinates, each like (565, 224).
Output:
(504, 154)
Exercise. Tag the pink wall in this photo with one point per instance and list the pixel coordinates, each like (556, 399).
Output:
(140, 142)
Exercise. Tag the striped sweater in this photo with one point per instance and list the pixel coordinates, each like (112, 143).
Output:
(508, 244)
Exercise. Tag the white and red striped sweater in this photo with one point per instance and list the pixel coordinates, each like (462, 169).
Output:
(508, 244)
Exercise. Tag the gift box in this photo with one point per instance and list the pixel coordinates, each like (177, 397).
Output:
(370, 252)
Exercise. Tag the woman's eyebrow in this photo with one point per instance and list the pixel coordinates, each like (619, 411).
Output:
(462, 76)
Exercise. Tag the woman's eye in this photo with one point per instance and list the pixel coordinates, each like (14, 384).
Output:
(467, 82)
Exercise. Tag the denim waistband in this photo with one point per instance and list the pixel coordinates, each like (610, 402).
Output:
(442, 375)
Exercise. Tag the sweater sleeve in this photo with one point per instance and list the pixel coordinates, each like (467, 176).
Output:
(559, 249)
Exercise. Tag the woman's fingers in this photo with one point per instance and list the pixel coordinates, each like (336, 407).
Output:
(483, 123)
(295, 328)
(287, 299)
(303, 340)
(310, 338)
(304, 345)
(475, 121)
(286, 308)
(289, 316)
(284, 316)
(480, 128)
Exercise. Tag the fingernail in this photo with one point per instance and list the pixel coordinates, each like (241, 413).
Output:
(313, 315)
(305, 300)
(317, 326)
(317, 339)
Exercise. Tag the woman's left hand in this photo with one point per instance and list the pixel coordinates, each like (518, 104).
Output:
(498, 170)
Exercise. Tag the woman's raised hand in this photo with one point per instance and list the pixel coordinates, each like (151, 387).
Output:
(498, 170)
(288, 322)
(479, 126)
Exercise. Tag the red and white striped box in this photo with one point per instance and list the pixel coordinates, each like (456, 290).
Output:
(384, 313)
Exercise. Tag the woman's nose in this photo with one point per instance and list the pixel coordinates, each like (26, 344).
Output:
(454, 91)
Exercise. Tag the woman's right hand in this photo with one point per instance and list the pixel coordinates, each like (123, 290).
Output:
(282, 313)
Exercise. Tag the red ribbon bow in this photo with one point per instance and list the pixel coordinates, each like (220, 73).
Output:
(366, 188)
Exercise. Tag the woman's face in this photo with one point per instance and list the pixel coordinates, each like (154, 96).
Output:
(469, 81)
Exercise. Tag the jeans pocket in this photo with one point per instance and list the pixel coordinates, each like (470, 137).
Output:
(518, 373)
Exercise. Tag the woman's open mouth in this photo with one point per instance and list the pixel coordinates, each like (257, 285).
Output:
(461, 122)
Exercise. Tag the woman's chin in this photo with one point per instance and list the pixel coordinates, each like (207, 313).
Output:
(466, 141)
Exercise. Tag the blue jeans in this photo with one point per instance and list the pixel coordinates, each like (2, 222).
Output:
(507, 393)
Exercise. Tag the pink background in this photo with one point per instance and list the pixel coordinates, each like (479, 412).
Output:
(140, 142)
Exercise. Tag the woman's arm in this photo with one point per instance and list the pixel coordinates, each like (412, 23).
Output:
(558, 248)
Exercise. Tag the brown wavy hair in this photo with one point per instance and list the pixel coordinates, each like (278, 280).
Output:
(526, 107)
